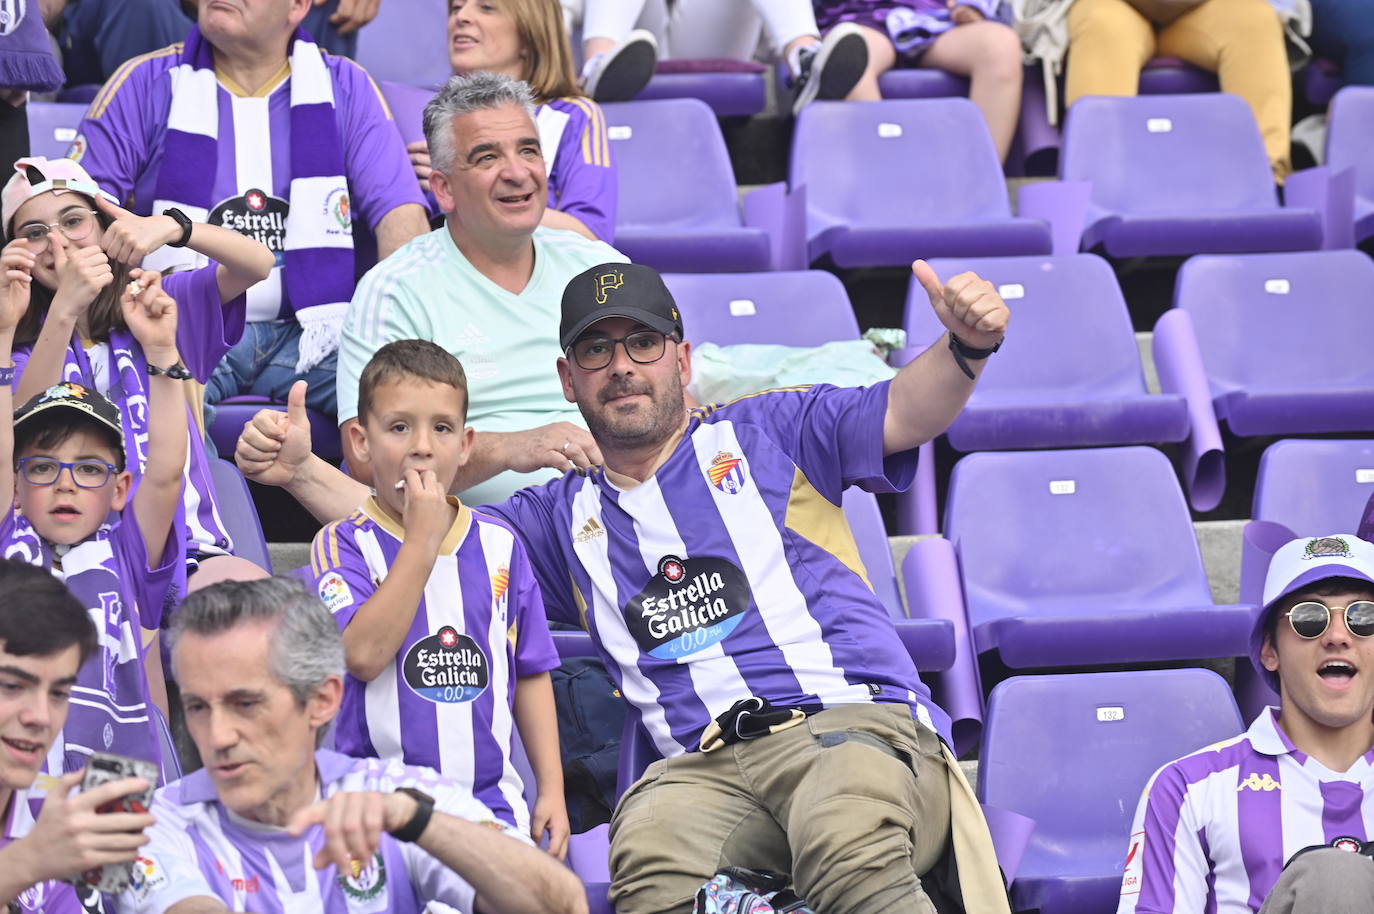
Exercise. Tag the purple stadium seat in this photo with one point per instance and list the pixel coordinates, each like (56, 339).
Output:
(732, 88)
(407, 104)
(231, 414)
(1285, 339)
(1349, 136)
(1079, 557)
(1073, 752)
(887, 182)
(1314, 487)
(1178, 175)
(918, 82)
(1171, 76)
(679, 210)
(406, 43)
(1095, 397)
(801, 308)
(52, 127)
(239, 515)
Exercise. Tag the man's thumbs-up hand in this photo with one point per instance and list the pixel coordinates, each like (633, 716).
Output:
(967, 305)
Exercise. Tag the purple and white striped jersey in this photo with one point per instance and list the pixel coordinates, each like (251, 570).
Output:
(50, 896)
(582, 177)
(731, 571)
(1214, 829)
(445, 699)
(108, 572)
(198, 847)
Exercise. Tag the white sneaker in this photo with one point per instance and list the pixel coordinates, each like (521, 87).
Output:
(828, 70)
(622, 72)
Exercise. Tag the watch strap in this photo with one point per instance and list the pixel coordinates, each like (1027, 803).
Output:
(177, 371)
(182, 220)
(424, 809)
(963, 352)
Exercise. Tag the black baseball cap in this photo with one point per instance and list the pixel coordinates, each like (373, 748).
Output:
(617, 290)
(79, 397)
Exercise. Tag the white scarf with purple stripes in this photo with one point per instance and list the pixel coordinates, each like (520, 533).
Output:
(318, 260)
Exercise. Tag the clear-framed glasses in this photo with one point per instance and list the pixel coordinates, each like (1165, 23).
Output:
(43, 471)
(592, 353)
(1310, 619)
(75, 225)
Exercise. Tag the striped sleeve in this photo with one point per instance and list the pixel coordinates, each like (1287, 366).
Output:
(339, 569)
(1166, 868)
(582, 173)
(116, 139)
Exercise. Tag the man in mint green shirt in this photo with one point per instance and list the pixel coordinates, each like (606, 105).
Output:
(487, 286)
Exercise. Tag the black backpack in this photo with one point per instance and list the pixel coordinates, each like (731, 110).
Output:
(591, 716)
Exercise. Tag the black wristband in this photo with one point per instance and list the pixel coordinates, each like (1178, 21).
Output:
(963, 351)
(182, 220)
(424, 809)
(176, 372)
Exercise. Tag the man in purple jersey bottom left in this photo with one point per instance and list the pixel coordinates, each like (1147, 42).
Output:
(45, 636)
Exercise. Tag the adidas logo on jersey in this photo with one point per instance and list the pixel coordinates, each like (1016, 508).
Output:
(472, 336)
(590, 531)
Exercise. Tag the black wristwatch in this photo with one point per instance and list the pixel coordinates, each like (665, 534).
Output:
(177, 372)
(963, 351)
(424, 808)
(182, 220)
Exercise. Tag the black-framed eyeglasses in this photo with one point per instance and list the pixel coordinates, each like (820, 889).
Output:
(75, 225)
(592, 353)
(1310, 619)
(44, 471)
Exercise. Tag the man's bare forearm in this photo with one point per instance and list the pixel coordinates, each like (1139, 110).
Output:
(324, 490)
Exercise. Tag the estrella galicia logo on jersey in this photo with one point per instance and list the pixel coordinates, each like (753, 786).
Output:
(688, 606)
(363, 882)
(726, 473)
(1347, 843)
(256, 214)
(448, 666)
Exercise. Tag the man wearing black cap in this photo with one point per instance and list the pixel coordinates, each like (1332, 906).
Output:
(711, 563)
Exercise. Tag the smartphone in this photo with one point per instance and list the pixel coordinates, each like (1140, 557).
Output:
(103, 768)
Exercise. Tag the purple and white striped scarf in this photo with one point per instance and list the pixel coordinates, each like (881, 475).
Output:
(318, 262)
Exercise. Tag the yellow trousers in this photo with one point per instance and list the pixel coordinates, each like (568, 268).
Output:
(1239, 40)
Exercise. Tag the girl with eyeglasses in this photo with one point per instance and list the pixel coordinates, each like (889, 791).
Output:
(83, 251)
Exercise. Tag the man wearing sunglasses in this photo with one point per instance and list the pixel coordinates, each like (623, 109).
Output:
(1260, 822)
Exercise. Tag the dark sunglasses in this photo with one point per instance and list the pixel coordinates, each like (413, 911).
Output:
(1311, 619)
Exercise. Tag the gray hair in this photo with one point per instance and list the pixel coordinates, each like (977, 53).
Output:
(464, 95)
(306, 647)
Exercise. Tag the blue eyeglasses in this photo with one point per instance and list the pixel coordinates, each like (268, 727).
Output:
(44, 471)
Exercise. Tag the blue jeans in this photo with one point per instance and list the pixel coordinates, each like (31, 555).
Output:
(99, 35)
(1343, 31)
(263, 363)
(317, 24)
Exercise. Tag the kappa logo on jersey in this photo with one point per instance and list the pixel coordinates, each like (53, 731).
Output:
(605, 282)
(1255, 782)
(688, 606)
(364, 882)
(590, 531)
(448, 666)
(1130, 880)
(727, 473)
(334, 592)
(256, 214)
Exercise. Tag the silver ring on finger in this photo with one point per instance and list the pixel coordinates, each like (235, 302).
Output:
(566, 445)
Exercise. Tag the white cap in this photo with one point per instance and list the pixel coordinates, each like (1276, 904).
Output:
(1303, 562)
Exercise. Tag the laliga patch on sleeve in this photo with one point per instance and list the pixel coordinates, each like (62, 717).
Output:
(146, 877)
(1130, 880)
(334, 592)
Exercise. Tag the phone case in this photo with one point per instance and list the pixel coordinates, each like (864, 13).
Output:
(103, 768)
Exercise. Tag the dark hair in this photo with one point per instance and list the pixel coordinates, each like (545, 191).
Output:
(104, 313)
(306, 647)
(1326, 587)
(39, 616)
(411, 359)
(51, 427)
